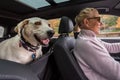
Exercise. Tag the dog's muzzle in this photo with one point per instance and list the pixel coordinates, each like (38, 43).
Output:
(50, 33)
(45, 41)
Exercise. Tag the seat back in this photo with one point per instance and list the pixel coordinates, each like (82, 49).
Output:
(14, 71)
(65, 60)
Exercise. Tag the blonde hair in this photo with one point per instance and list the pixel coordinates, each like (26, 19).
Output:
(85, 13)
(76, 28)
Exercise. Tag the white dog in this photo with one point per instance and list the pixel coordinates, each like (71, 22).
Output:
(26, 46)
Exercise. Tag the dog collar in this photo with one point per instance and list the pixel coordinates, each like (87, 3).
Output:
(22, 43)
(28, 46)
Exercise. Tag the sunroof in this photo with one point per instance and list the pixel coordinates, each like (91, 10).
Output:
(39, 3)
(59, 1)
(35, 3)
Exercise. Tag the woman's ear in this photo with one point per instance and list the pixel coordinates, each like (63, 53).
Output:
(86, 22)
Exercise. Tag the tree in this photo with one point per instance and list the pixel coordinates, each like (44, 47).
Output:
(118, 23)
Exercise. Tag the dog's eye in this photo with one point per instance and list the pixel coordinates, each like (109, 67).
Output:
(37, 23)
(49, 25)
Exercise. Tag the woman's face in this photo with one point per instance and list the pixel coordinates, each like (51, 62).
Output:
(94, 23)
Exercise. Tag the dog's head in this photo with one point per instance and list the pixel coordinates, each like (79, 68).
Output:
(35, 30)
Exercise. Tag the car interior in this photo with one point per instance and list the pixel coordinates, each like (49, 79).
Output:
(58, 61)
(64, 58)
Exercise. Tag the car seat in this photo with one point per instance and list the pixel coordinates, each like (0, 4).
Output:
(62, 51)
(14, 71)
(34, 70)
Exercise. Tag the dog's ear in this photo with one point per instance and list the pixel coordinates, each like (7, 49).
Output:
(21, 25)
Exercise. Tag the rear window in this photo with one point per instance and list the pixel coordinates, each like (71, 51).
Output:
(55, 25)
(1, 31)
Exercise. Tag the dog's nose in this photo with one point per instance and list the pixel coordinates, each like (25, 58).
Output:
(50, 33)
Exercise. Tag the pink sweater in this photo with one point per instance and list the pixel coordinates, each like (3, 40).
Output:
(93, 56)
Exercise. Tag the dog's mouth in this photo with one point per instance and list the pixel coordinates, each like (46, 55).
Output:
(44, 41)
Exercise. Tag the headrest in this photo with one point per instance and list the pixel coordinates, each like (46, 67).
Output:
(66, 25)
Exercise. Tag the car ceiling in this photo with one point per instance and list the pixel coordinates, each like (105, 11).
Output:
(12, 11)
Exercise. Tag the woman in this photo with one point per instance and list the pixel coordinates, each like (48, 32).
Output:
(91, 53)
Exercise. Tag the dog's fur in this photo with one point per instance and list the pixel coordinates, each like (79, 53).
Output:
(35, 32)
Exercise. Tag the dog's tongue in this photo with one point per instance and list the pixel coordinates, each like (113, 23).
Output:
(45, 41)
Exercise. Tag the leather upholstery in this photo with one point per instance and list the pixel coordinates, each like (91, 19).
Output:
(66, 25)
(14, 71)
(63, 53)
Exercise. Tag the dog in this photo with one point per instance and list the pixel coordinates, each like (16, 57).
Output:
(32, 34)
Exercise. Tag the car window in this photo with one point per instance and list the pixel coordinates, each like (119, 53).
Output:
(110, 26)
(55, 25)
(1, 31)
